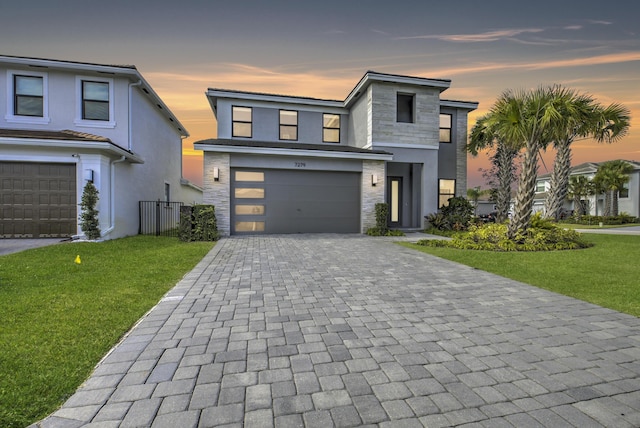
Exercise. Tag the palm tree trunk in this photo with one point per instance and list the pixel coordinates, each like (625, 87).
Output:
(614, 202)
(504, 158)
(607, 203)
(526, 191)
(559, 185)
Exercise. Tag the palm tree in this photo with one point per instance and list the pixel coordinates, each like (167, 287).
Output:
(526, 120)
(579, 186)
(582, 117)
(613, 175)
(503, 160)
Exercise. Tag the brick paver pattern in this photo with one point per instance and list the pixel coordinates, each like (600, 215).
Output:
(339, 330)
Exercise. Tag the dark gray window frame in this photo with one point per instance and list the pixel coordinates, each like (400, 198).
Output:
(85, 100)
(450, 128)
(324, 128)
(287, 125)
(405, 101)
(17, 96)
(234, 121)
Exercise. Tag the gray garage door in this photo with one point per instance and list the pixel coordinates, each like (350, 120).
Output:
(38, 200)
(291, 201)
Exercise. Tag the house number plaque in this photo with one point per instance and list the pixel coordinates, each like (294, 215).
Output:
(300, 164)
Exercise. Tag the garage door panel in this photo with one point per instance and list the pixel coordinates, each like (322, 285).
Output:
(39, 200)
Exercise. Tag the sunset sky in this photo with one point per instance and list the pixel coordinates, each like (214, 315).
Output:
(322, 48)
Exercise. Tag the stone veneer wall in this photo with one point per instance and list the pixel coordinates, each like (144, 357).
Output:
(461, 153)
(217, 193)
(371, 195)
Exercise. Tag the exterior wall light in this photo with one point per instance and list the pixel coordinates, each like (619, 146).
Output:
(216, 174)
(374, 179)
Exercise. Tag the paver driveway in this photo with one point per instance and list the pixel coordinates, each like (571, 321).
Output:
(331, 330)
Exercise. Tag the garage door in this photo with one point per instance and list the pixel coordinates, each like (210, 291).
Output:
(38, 200)
(291, 201)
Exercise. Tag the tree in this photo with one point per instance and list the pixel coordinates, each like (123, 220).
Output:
(89, 223)
(581, 117)
(474, 195)
(524, 120)
(502, 174)
(612, 176)
(579, 187)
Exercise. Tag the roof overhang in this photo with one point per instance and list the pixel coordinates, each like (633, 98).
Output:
(461, 105)
(71, 144)
(311, 150)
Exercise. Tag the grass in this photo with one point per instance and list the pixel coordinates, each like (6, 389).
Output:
(59, 318)
(605, 274)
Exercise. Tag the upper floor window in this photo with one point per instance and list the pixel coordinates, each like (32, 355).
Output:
(288, 125)
(241, 118)
(95, 106)
(624, 191)
(95, 100)
(445, 128)
(540, 187)
(330, 128)
(27, 97)
(405, 107)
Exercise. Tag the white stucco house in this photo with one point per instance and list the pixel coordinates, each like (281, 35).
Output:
(64, 123)
(292, 164)
(628, 198)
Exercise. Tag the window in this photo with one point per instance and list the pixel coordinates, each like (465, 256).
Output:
(167, 192)
(249, 176)
(249, 226)
(405, 108)
(288, 125)
(249, 209)
(249, 193)
(95, 100)
(445, 128)
(447, 190)
(540, 187)
(624, 191)
(331, 128)
(241, 118)
(94, 107)
(29, 96)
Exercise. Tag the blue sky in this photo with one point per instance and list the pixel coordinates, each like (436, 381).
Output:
(322, 48)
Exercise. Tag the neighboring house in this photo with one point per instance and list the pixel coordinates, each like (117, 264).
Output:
(65, 123)
(628, 199)
(291, 164)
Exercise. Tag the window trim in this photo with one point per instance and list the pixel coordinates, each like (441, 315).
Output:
(111, 123)
(233, 122)
(450, 128)
(11, 97)
(413, 107)
(332, 128)
(286, 125)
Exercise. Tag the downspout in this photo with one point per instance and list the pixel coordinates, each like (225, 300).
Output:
(112, 196)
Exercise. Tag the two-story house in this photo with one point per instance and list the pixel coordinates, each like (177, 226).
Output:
(290, 164)
(65, 123)
(628, 197)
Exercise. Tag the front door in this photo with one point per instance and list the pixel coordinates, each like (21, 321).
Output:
(394, 193)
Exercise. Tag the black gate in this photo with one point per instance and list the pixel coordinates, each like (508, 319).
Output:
(159, 218)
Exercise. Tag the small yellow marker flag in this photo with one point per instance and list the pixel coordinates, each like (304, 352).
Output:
(77, 260)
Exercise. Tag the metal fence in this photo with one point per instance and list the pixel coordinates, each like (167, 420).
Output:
(159, 218)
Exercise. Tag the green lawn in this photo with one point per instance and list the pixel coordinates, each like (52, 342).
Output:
(595, 226)
(59, 318)
(606, 274)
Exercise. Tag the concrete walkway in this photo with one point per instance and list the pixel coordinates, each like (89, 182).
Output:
(331, 330)
(10, 246)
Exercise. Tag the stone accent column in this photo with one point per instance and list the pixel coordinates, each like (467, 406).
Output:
(218, 193)
(461, 155)
(371, 195)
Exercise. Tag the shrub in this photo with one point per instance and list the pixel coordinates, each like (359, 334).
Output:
(622, 218)
(382, 214)
(89, 223)
(493, 237)
(456, 215)
(198, 223)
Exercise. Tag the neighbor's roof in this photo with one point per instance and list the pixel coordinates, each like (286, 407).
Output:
(128, 71)
(588, 168)
(35, 137)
